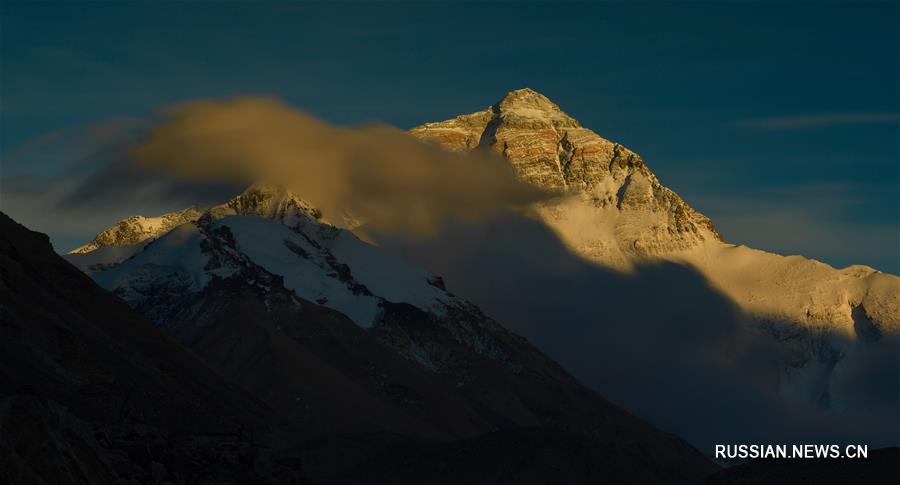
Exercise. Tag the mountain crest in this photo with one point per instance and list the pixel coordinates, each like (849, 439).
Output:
(269, 201)
(128, 236)
(527, 97)
(135, 229)
(525, 108)
(550, 149)
(529, 107)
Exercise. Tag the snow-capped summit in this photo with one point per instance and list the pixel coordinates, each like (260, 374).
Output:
(275, 203)
(128, 236)
(529, 106)
(272, 202)
(265, 227)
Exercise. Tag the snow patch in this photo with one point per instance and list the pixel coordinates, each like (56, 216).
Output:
(267, 244)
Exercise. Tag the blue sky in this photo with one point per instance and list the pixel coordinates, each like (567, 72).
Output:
(778, 120)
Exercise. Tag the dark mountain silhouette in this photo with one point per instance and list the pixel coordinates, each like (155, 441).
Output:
(92, 393)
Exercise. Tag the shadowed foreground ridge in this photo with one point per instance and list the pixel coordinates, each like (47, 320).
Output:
(92, 393)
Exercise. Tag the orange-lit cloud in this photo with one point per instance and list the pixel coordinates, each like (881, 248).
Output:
(377, 173)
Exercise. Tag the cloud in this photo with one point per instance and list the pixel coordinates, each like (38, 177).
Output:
(74, 182)
(788, 123)
(377, 173)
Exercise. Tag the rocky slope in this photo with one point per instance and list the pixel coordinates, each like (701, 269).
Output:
(619, 215)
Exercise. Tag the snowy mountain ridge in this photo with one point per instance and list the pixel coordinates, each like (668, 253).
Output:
(129, 236)
(271, 228)
(268, 232)
(135, 229)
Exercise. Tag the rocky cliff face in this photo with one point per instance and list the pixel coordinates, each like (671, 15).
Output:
(550, 149)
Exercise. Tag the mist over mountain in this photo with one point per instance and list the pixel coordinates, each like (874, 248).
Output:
(372, 172)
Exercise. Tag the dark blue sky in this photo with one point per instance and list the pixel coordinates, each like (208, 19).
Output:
(779, 121)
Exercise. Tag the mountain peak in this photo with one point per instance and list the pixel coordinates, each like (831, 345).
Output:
(270, 201)
(527, 106)
(549, 149)
(526, 98)
(135, 229)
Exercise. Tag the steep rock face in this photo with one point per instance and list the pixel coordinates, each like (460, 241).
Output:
(550, 149)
